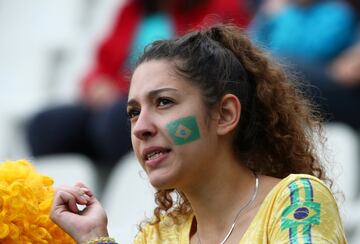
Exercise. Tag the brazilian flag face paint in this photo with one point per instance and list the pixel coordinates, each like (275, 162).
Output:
(183, 130)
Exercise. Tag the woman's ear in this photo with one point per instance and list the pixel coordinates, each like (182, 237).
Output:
(229, 114)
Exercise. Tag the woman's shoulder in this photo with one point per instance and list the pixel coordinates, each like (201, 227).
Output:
(300, 181)
(301, 188)
(300, 196)
(302, 202)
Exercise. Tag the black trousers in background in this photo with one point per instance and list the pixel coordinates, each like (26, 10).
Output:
(103, 136)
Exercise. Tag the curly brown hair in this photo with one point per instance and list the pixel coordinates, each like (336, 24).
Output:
(275, 135)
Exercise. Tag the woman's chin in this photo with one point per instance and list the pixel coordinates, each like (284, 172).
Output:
(161, 182)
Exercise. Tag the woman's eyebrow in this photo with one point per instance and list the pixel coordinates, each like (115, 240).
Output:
(132, 102)
(152, 94)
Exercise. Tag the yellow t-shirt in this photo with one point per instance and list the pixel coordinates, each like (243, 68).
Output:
(299, 209)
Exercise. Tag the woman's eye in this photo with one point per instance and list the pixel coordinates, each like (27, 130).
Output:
(164, 101)
(132, 113)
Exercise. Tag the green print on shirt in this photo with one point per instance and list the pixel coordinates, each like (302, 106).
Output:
(300, 213)
(183, 130)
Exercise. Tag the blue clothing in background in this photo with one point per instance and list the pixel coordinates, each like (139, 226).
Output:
(153, 27)
(316, 33)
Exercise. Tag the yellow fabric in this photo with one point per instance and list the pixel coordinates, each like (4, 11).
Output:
(299, 209)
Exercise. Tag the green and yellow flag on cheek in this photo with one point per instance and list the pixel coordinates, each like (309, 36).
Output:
(183, 130)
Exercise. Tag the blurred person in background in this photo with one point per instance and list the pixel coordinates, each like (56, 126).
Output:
(316, 38)
(97, 125)
(336, 86)
(337, 83)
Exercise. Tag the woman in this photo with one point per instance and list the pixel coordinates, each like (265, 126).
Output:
(226, 140)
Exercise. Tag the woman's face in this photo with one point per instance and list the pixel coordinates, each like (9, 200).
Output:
(171, 136)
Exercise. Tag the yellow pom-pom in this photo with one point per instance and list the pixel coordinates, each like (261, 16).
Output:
(47, 181)
(25, 203)
(4, 230)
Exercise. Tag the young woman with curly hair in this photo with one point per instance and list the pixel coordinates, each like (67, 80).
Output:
(227, 140)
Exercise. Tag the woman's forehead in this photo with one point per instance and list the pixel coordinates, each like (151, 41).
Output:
(153, 75)
(152, 69)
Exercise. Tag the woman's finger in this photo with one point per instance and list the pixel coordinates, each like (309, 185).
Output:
(83, 187)
(79, 194)
(70, 201)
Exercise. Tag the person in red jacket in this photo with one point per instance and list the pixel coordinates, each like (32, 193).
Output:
(97, 125)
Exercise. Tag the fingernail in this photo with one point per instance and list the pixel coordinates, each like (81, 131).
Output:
(88, 191)
(83, 198)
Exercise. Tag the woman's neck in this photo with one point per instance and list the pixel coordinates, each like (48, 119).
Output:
(217, 199)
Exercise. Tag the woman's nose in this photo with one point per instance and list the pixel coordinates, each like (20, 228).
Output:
(144, 127)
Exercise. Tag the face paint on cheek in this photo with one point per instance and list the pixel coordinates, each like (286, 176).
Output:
(183, 130)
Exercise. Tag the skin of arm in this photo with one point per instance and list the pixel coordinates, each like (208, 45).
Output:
(345, 68)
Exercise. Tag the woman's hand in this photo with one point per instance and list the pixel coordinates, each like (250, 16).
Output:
(87, 224)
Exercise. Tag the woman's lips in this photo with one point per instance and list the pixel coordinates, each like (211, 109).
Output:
(156, 159)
